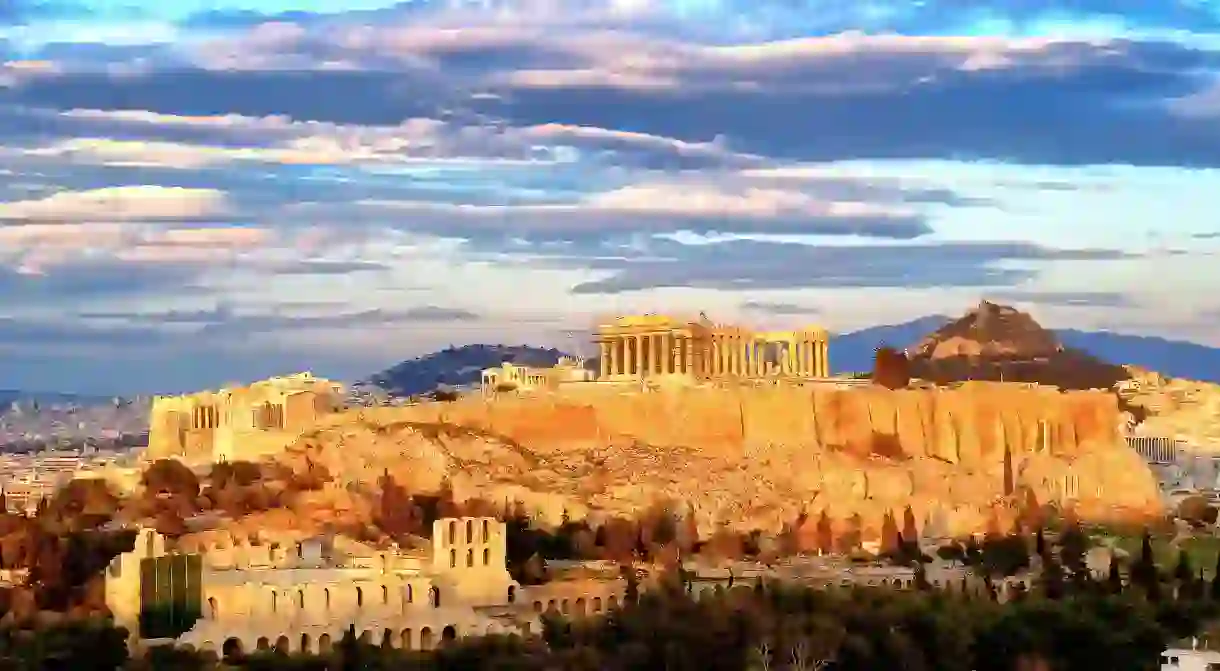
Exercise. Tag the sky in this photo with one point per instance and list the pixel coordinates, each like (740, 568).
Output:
(210, 191)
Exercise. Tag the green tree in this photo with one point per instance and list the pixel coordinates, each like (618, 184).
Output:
(1144, 571)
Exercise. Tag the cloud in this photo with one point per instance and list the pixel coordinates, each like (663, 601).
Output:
(123, 203)
(1063, 298)
(777, 308)
(753, 264)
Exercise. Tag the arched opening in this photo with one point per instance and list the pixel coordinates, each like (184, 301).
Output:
(580, 606)
(537, 606)
(366, 637)
(453, 559)
(385, 594)
(359, 597)
(282, 646)
(324, 644)
(563, 607)
(305, 643)
(425, 638)
(434, 596)
(452, 533)
(405, 638)
(551, 606)
(525, 628)
(275, 601)
(410, 594)
(326, 597)
(597, 604)
(614, 602)
(486, 531)
(263, 644)
(301, 599)
(486, 557)
(231, 649)
(448, 634)
(470, 558)
(387, 639)
(512, 593)
(213, 612)
(469, 531)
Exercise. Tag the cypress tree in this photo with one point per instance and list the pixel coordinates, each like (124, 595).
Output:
(1040, 544)
(1144, 572)
(1115, 580)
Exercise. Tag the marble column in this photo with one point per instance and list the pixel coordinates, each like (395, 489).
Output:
(658, 354)
(603, 360)
(825, 358)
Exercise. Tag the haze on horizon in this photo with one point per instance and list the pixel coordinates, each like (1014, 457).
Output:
(210, 191)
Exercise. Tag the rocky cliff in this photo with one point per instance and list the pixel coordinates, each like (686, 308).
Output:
(754, 458)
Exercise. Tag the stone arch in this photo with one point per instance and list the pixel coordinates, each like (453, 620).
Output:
(326, 597)
(564, 607)
(425, 638)
(486, 531)
(449, 633)
(452, 532)
(434, 597)
(469, 531)
(387, 639)
(613, 601)
(282, 646)
(263, 644)
(231, 648)
(410, 593)
(486, 557)
(305, 643)
(275, 601)
(580, 606)
(366, 637)
(453, 559)
(537, 606)
(301, 599)
(551, 606)
(405, 639)
(512, 593)
(324, 644)
(470, 558)
(359, 596)
(385, 594)
(213, 609)
(597, 604)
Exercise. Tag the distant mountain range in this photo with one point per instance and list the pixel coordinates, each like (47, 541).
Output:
(1090, 358)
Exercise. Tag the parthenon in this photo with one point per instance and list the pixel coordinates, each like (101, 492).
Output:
(657, 345)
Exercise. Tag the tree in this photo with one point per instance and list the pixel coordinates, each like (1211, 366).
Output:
(891, 368)
(890, 540)
(1114, 581)
(825, 534)
(1215, 586)
(1144, 571)
(910, 531)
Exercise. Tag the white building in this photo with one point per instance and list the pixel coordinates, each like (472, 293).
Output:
(1193, 658)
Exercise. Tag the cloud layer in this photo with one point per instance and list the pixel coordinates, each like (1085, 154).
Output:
(211, 191)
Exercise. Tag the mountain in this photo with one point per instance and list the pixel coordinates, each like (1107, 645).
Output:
(854, 351)
(456, 367)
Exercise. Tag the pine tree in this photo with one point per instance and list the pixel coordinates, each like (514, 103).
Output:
(1052, 577)
(890, 543)
(1183, 572)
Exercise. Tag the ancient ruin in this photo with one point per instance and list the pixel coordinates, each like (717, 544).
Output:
(245, 594)
(239, 422)
(645, 346)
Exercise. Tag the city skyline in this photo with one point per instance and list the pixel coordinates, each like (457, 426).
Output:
(213, 191)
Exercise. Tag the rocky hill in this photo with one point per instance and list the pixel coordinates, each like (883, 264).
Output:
(1001, 343)
(456, 367)
(743, 459)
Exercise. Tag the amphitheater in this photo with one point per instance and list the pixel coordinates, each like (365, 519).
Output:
(255, 595)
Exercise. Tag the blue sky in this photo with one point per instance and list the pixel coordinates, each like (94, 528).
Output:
(202, 192)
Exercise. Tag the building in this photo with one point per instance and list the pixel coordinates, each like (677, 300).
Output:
(650, 346)
(262, 418)
(1190, 656)
(509, 377)
(248, 595)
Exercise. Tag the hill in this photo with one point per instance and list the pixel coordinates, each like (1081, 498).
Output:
(853, 351)
(456, 367)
